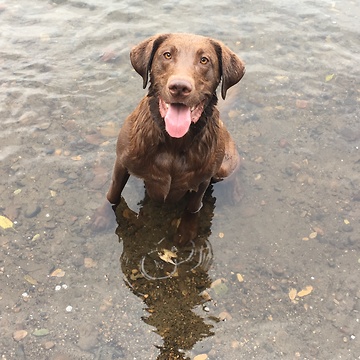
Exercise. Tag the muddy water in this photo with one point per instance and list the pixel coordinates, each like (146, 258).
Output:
(274, 276)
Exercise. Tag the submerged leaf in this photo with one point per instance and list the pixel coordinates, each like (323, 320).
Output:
(292, 294)
(306, 291)
(240, 278)
(30, 280)
(41, 332)
(5, 223)
(329, 77)
(167, 256)
(58, 273)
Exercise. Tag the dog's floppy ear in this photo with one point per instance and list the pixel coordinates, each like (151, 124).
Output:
(232, 69)
(142, 55)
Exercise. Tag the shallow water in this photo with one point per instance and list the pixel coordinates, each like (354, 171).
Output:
(65, 87)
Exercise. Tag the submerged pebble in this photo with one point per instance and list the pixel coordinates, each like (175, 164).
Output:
(19, 335)
(32, 210)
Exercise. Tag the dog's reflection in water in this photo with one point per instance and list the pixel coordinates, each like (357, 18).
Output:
(169, 279)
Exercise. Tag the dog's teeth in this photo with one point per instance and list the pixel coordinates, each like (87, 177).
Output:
(193, 108)
(167, 105)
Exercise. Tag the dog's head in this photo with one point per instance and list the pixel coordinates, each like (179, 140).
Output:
(185, 71)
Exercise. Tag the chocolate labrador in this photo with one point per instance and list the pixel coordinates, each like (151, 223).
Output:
(174, 140)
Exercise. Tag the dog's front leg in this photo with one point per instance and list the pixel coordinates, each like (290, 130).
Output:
(104, 216)
(189, 222)
(119, 180)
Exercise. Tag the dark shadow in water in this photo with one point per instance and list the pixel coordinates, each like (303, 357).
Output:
(169, 280)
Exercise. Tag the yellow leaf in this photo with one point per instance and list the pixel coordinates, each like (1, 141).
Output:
(306, 291)
(292, 294)
(167, 256)
(240, 278)
(5, 223)
(329, 77)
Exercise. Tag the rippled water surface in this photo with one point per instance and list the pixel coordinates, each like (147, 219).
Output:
(275, 276)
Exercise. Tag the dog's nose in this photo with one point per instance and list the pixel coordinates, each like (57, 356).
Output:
(178, 87)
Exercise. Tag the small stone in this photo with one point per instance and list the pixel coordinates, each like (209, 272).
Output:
(59, 202)
(19, 335)
(89, 263)
(352, 240)
(48, 345)
(283, 143)
(225, 316)
(32, 210)
(43, 126)
(205, 295)
(346, 228)
(278, 271)
(319, 230)
(28, 117)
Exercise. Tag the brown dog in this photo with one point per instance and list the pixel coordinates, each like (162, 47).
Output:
(174, 140)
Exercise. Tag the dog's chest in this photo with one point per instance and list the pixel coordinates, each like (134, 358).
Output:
(169, 175)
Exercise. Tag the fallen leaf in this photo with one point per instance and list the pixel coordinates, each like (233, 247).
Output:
(36, 237)
(219, 287)
(313, 235)
(167, 256)
(306, 291)
(201, 357)
(5, 223)
(76, 158)
(30, 280)
(329, 77)
(240, 278)
(292, 294)
(41, 332)
(58, 273)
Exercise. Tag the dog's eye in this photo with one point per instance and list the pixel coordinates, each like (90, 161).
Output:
(167, 55)
(204, 60)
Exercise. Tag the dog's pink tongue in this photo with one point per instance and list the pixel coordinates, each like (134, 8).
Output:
(177, 120)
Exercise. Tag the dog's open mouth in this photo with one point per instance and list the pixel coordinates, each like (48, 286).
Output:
(178, 117)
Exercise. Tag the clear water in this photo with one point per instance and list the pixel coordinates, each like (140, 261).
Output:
(66, 85)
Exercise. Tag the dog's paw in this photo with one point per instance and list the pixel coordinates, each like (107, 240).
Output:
(103, 218)
(187, 229)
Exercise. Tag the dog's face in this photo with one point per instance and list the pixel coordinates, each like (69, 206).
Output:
(185, 71)
(185, 75)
